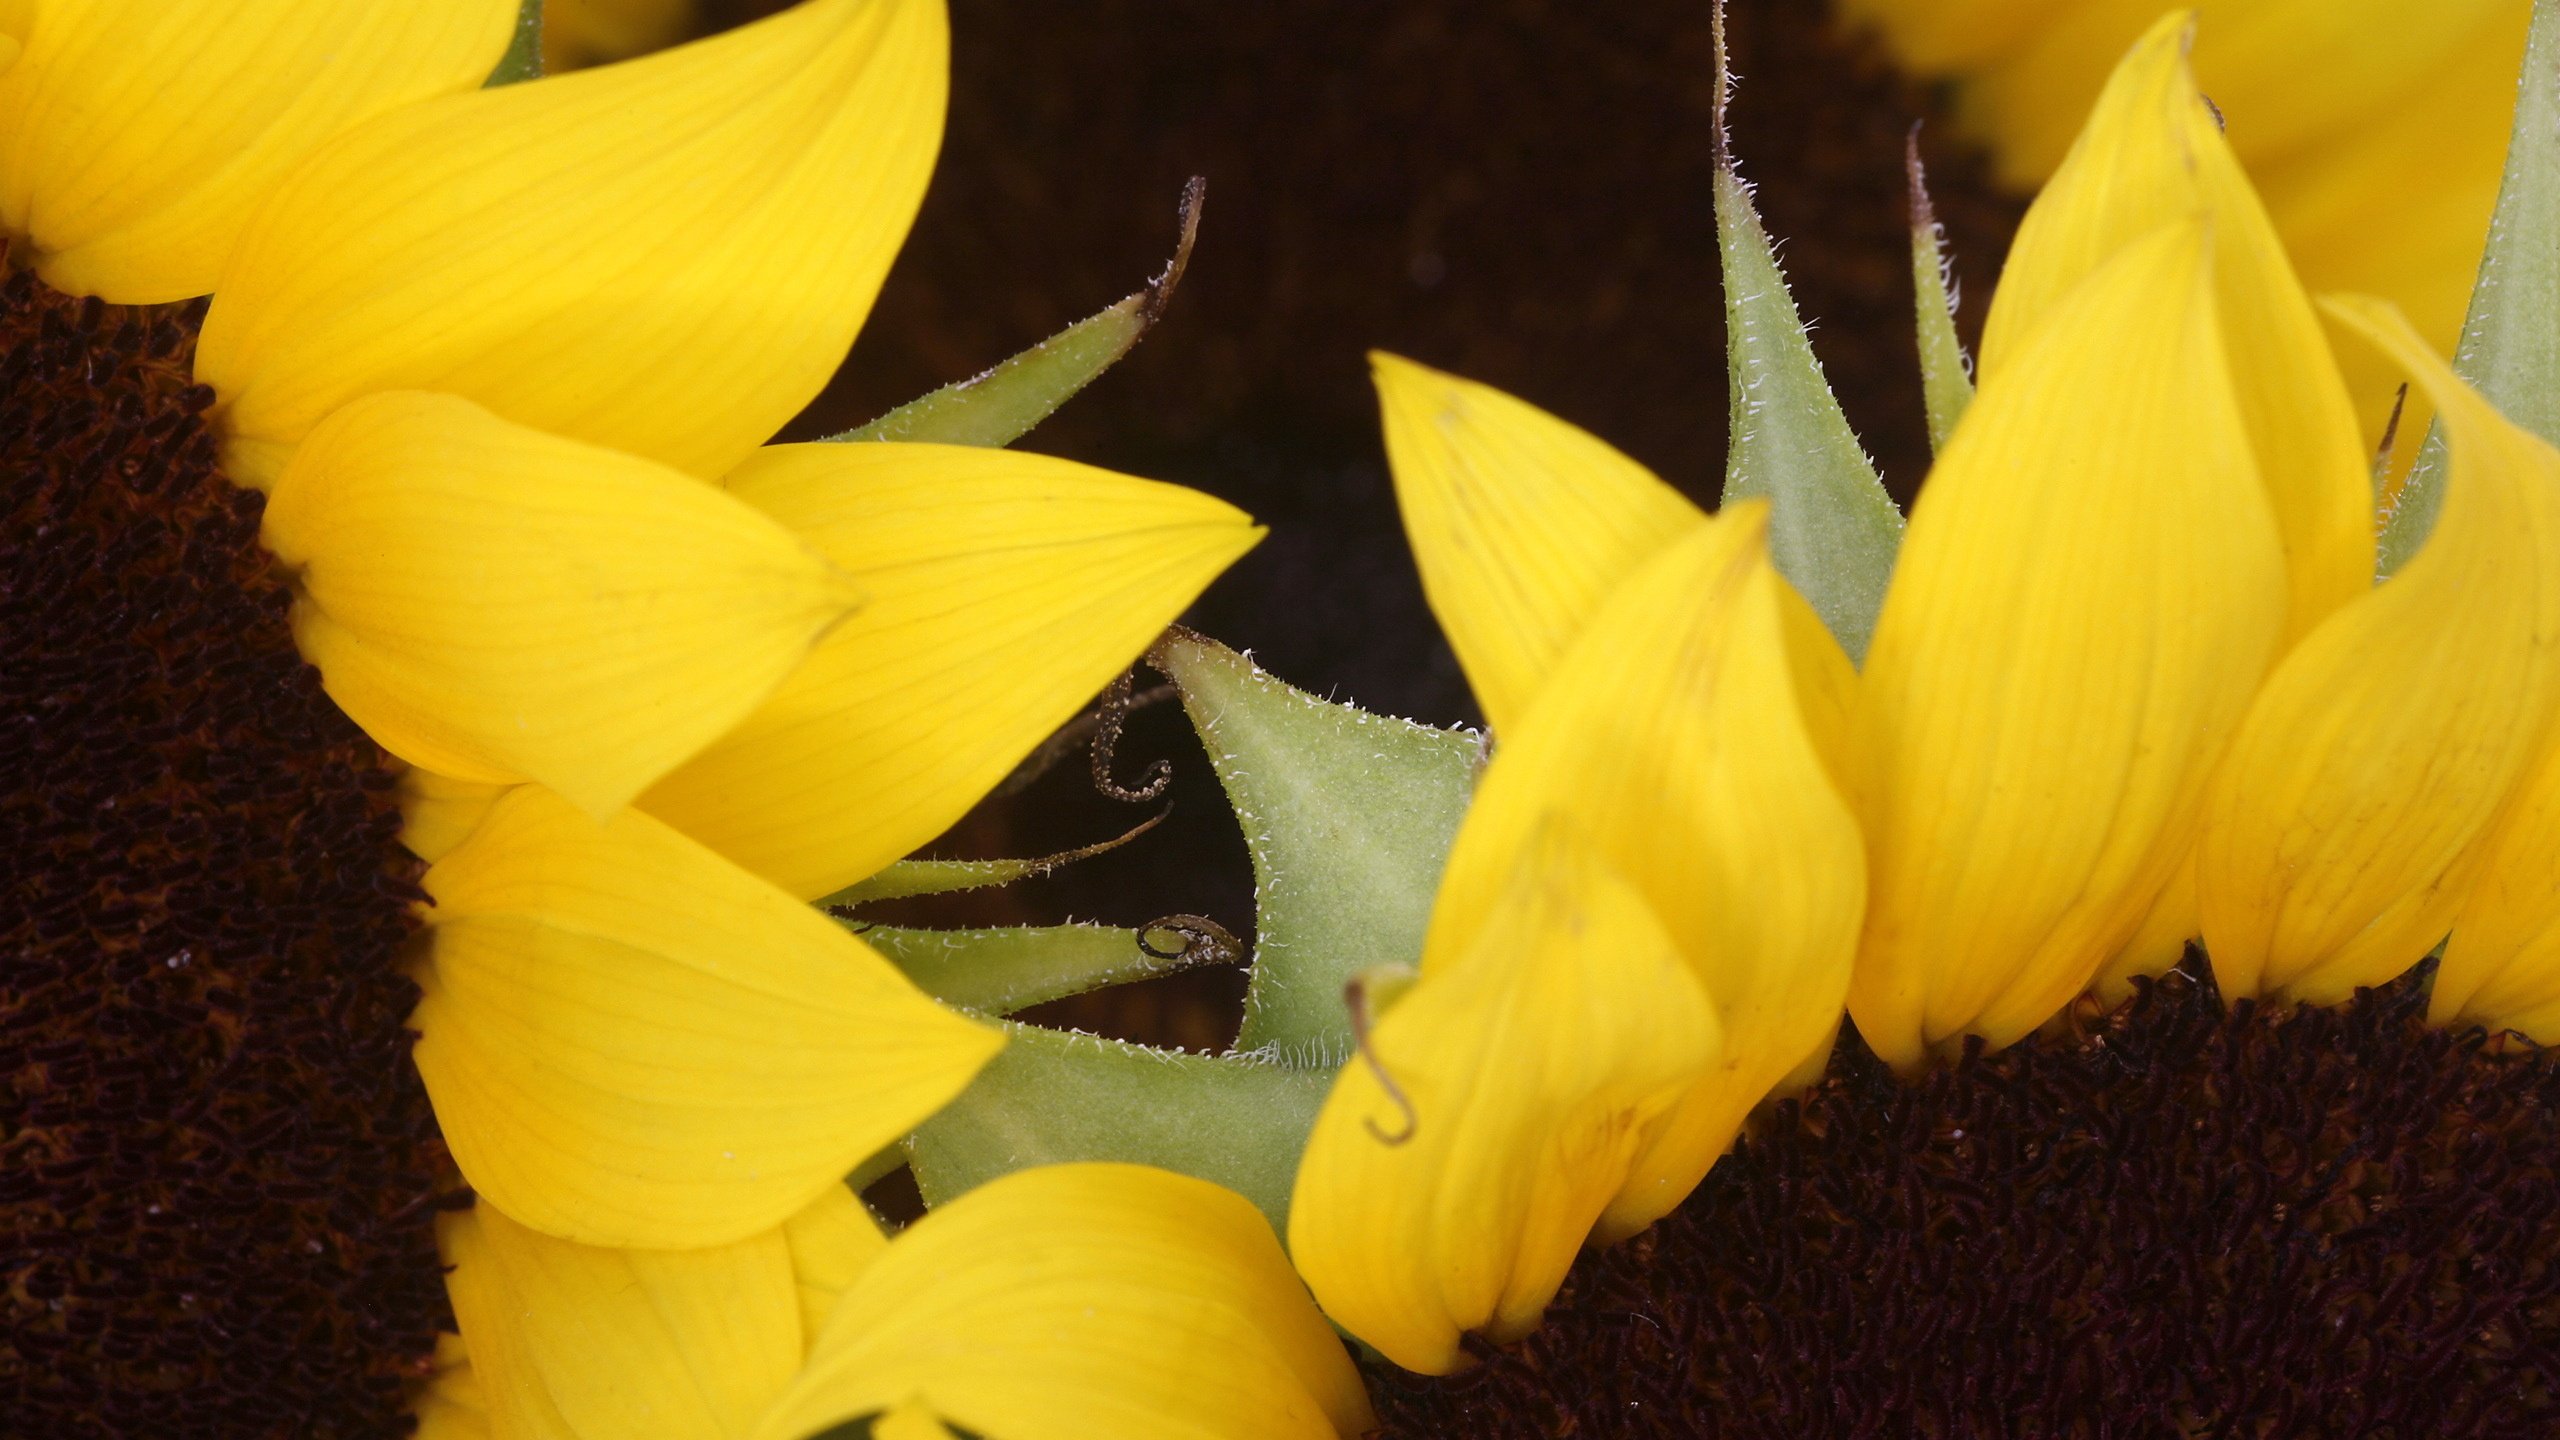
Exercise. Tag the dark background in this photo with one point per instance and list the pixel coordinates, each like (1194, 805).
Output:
(1514, 190)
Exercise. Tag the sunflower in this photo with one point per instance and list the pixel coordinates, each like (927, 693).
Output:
(2131, 719)
(2317, 97)
(473, 423)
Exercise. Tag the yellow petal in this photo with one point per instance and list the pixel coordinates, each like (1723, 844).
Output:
(2501, 969)
(1672, 736)
(140, 135)
(2388, 208)
(678, 298)
(2153, 155)
(2158, 943)
(498, 604)
(437, 812)
(832, 1240)
(1534, 1066)
(577, 33)
(1935, 36)
(1083, 1300)
(450, 1406)
(1520, 523)
(629, 1041)
(911, 1421)
(579, 1342)
(1004, 589)
(2089, 592)
(2387, 741)
(2288, 73)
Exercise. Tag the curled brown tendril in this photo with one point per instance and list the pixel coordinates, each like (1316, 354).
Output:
(1110, 715)
(1076, 734)
(1355, 997)
(1204, 941)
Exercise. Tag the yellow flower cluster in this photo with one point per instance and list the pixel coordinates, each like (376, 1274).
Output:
(504, 361)
(2132, 684)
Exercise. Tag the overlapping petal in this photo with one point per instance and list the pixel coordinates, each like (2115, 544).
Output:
(581, 1342)
(1002, 591)
(1081, 1300)
(438, 812)
(2336, 849)
(1527, 1076)
(137, 137)
(631, 1042)
(2501, 968)
(677, 299)
(1521, 524)
(2153, 154)
(2090, 590)
(1673, 734)
(499, 604)
(833, 1240)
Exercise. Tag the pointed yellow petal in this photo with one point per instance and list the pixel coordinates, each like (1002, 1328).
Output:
(833, 1240)
(437, 812)
(1004, 589)
(1672, 736)
(2387, 742)
(629, 1041)
(1083, 1300)
(1520, 522)
(2152, 155)
(578, 1342)
(1533, 1067)
(499, 604)
(678, 298)
(138, 136)
(2090, 590)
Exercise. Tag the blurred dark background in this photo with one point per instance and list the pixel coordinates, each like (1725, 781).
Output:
(1514, 190)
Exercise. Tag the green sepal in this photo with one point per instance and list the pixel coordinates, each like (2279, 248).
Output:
(2510, 346)
(1833, 531)
(1946, 372)
(1052, 1097)
(1011, 968)
(523, 60)
(906, 879)
(1348, 817)
(1002, 405)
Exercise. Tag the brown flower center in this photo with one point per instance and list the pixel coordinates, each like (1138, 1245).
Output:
(2188, 1221)
(217, 1166)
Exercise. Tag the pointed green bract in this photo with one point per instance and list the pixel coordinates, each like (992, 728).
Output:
(2510, 346)
(523, 60)
(1002, 405)
(1050, 1097)
(1348, 817)
(908, 878)
(1946, 375)
(1010, 968)
(1833, 530)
